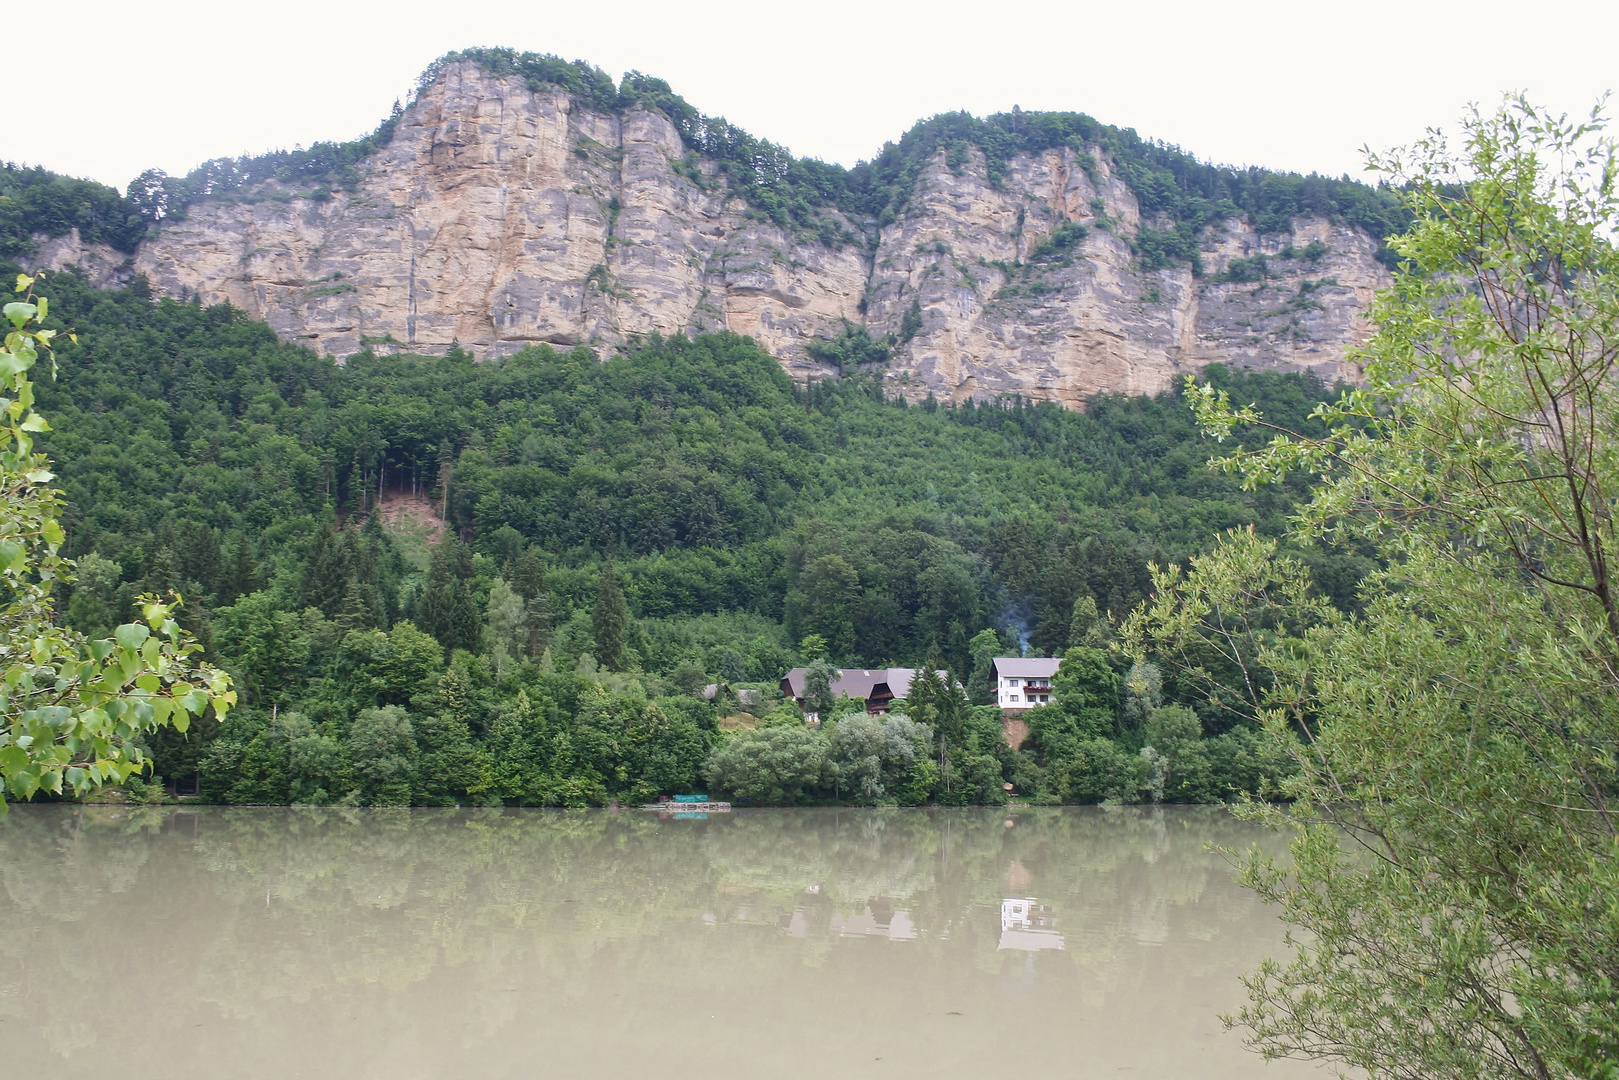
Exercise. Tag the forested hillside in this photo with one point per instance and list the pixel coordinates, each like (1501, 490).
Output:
(573, 544)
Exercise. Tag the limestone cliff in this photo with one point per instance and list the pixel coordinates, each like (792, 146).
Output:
(499, 215)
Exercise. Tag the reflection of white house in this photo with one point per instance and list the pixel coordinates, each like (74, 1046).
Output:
(1028, 926)
(1023, 682)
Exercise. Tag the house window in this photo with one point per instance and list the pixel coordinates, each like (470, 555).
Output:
(1012, 698)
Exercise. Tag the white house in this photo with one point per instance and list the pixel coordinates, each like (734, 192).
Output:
(1023, 682)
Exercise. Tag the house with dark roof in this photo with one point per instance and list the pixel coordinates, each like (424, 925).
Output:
(878, 686)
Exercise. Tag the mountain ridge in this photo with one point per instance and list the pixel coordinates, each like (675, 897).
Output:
(1057, 273)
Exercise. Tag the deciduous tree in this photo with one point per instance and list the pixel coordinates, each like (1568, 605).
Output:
(73, 710)
(1456, 850)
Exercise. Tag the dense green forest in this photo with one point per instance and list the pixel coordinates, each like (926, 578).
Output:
(568, 546)
(1178, 194)
(36, 200)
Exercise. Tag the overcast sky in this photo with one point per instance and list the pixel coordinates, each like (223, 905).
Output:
(121, 87)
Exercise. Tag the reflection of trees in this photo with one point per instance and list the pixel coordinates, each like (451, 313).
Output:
(265, 914)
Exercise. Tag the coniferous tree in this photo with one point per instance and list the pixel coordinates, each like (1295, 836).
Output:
(241, 573)
(446, 608)
(939, 701)
(733, 669)
(538, 613)
(375, 572)
(608, 619)
(526, 574)
(328, 578)
(160, 576)
(1012, 641)
(200, 558)
(1088, 629)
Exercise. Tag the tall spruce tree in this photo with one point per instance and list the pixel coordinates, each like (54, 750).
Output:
(241, 572)
(609, 618)
(446, 608)
(328, 577)
(526, 573)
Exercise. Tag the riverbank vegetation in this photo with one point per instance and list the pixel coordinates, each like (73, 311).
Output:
(418, 549)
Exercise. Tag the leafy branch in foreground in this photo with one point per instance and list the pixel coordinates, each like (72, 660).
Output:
(1456, 854)
(73, 709)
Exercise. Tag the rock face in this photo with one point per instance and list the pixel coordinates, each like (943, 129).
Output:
(105, 267)
(500, 216)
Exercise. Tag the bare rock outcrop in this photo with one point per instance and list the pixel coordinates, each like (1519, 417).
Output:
(499, 216)
(106, 267)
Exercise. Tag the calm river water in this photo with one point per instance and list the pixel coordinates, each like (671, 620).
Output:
(384, 944)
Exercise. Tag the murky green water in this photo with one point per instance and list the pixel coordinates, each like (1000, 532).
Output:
(426, 944)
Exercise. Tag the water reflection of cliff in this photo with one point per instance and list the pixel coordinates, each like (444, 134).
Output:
(417, 937)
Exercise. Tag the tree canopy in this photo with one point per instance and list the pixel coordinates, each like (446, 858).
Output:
(1455, 855)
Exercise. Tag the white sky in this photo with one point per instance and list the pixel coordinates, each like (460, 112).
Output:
(123, 87)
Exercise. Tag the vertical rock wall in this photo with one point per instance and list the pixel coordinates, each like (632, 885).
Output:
(500, 216)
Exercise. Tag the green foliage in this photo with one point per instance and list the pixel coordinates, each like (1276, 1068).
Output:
(543, 70)
(818, 688)
(776, 765)
(382, 743)
(446, 608)
(1159, 248)
(35, 201)
(1093, 770)
(1244, 270)
(1056, 247)
(1230, 609)
(1086, 689)
(885, 760)
(740, 513)
(851, 350)
(73, 709)
(1463, 732)
(608, 618)
(981, 683)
